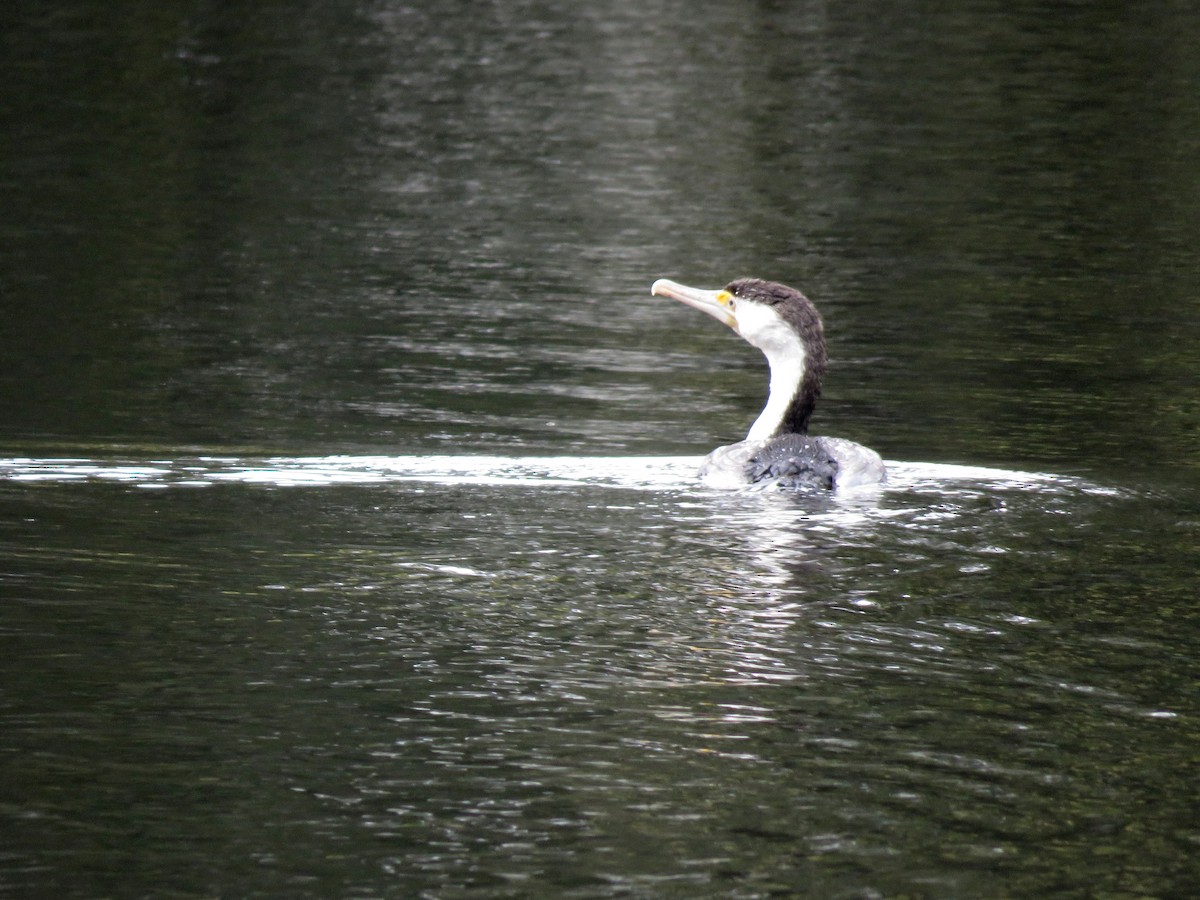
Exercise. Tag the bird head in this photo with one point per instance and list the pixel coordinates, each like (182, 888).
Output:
(782, 323)
(773, 317)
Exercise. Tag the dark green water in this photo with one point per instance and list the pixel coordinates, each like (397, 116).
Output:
(237, 240)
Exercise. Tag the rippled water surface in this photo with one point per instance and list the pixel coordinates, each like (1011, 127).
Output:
(349, 537)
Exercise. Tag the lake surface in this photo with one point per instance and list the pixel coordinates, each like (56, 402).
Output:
(350, 544)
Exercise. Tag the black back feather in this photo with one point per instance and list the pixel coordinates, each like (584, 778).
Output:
(793, 461)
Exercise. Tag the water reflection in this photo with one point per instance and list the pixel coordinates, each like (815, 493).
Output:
(464, 678)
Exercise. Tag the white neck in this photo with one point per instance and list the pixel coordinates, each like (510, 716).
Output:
(787, 370)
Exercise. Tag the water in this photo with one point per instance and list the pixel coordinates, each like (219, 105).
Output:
(349, 544)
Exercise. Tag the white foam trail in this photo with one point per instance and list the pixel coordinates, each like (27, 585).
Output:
(639, 472)
(663, 472)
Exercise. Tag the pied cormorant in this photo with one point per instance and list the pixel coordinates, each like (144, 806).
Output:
(782, 323)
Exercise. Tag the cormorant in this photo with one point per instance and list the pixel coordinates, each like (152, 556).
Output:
(782, 323)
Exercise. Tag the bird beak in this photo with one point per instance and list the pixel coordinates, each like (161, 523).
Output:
(718, 304)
